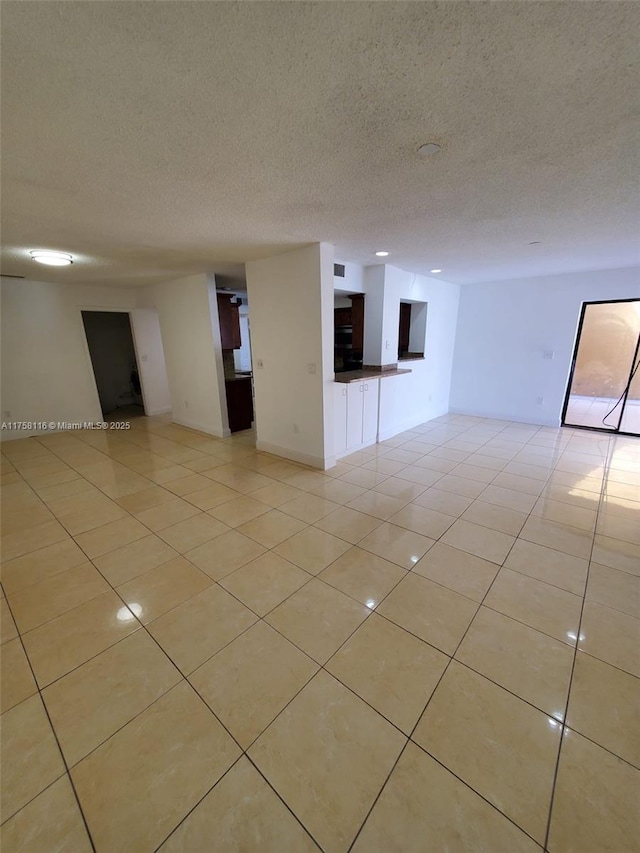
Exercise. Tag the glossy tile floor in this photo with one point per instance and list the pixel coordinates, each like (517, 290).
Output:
(431, 647)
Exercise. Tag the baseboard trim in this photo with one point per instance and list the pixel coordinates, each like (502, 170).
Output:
(501, 416)
(223, 433)
(293, 455)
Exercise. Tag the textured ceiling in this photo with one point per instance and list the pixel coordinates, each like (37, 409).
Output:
(153, 139)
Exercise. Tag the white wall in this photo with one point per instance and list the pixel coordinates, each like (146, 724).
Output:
(145, 325)
(414, 398)
(374, 315)
(291, 303)
(504, 330)
(46, 369)
(188, 312)
(353, 281)
(327, 389)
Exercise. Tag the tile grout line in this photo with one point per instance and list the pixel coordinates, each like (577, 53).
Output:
(565, 728)
(67, 770)
(410, 739)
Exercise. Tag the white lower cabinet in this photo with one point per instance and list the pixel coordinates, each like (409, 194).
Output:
(356, 415)
(370, 397)
(340, 419)
(355, 409)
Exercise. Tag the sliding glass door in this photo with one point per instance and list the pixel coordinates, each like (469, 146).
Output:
(604, 386)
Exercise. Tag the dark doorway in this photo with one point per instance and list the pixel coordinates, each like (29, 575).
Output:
(603, 392)
(115, 367)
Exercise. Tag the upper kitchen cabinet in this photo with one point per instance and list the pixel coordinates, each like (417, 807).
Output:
(229, 322)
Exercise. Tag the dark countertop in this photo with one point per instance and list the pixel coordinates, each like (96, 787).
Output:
(358, 375)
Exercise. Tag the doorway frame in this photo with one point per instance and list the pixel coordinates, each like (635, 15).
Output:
(565, 405)
(93, 309)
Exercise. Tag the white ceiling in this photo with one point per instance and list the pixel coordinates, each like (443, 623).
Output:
(155, 139)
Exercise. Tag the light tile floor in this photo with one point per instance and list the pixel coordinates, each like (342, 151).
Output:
(433, 646)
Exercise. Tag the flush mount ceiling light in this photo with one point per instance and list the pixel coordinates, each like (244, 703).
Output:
(382, 254)
(52, 259)
(429, 148)
(436, 270)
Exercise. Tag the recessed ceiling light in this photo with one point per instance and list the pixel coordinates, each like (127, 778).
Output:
(429, 148)
(52, 259)
(436, 270)
(382, 254)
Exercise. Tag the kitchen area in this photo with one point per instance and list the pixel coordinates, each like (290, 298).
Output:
(233, 317)
(357, 385)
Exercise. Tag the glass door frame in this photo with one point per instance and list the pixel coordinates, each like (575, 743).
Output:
(623, 399)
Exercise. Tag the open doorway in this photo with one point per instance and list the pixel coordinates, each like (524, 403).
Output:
(233, 316)
(114, 362)
(603, 392)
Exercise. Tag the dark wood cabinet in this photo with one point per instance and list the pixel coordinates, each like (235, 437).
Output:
(229, 322)
(239, 403)
(404, 329)
(342, 316)
(357, 321)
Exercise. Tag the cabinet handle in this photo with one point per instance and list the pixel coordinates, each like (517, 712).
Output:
(361, 389)
(366, 387)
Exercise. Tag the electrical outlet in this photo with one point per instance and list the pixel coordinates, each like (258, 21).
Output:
(539, 400)
(548, 354)
(387, 344)
(311, 368)
(259, 364)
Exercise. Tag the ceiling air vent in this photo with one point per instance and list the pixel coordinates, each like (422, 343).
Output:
(338, 269)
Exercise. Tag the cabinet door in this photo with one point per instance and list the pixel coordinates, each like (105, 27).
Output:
(235, 326)
(370, 411)
(355, 408)
(239, 404)
(340, 419)
(342, 316)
